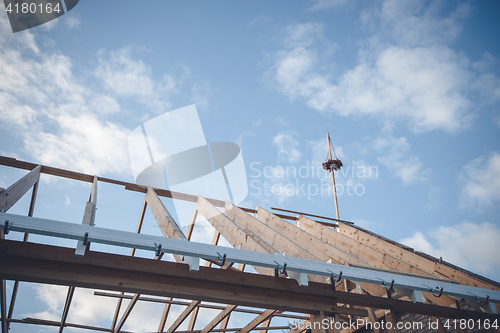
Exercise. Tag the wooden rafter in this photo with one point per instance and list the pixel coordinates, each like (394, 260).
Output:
(57, 265)
(351, 246)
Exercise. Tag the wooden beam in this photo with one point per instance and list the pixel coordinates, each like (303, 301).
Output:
(31, 210)
(169, 300)
(424, 264)
(127, 312)
(16, 191)
(434, 268)
(220, 316)
(192, 221)
(265, 324)
(12, 162)
(168, 226)
(310, 243)
(258, 320)
(357, 249)
(368, 255)
(69, 298)
(44, 322)
(236, 236)
(194, 314)
(3, 305)
(183, 316)
(306, 214)
(57, 265)
(132, 253)
(164, 316)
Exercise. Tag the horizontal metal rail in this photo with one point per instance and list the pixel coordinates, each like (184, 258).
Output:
(295, 267)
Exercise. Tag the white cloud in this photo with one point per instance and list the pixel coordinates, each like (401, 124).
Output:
(302, 35)
(325, 4)
(65, 121)
(468, 245)
(125, 76)
(481, 182)
(415, 23)
(411, 77)
(287, 147)
(395, 156)
(71, 22)
(59, 120)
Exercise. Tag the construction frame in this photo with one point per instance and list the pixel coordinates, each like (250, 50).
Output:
(302, 291)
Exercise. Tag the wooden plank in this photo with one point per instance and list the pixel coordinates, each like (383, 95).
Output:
(236, 236)
(69, 298)
(132, 253)
(220, 316)
(88, 217)
(164, 316)
(3, 305)
(192, 221)
(367, 254)
(25, 239)
(306, 214)
(434, 268)
(258, 320)
(357, 249)
(12, 162)
(374, 320)
(127, 312)
(265, 324)
(182, 316)
(44, 322)
(168, 226)
(17, 190)
(313, 245)
(166, 222)
(169, 300)
(194, 314)
(56, 265)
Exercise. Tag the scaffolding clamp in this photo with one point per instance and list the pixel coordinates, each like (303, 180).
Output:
(158, 249)
(6, 227)
(333, 279)
(281, 269)
(222, 259)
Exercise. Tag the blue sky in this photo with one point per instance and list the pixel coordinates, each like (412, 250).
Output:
(410, 89)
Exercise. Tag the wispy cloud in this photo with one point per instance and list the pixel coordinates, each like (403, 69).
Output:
(287, 146)
(480, 181)
(395, 155)
(326, 4)
(469, 245)
(67, 120)
(408, 74)
(127, 76)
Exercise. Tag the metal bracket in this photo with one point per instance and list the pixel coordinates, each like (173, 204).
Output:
(158, 249)
(6, 227)
(485, 302)
(85, 239)
(391, 287)
(222, 259)
(281, 269)
(333, 279)
(440, 292)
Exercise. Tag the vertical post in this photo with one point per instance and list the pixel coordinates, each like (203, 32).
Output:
(333, 176)
(25, 239)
